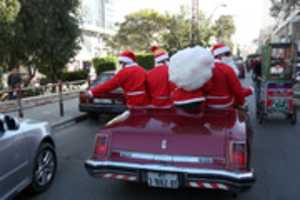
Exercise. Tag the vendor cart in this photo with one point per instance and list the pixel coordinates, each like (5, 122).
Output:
(276, 93)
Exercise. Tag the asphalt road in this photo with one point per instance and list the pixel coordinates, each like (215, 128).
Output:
(276, 150)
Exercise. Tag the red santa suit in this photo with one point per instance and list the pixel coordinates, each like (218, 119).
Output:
(226, 89)
(183, 97)
(132, 79)
(158, 86)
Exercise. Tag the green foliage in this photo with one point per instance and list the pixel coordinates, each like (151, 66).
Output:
(145, 60)
(178, 32)
(224, 28)
(32, 92)
(278, 6)
(44, 36)
(173, 32)
(75, 76)
(9, 10)
(105, 64)
(139, 31)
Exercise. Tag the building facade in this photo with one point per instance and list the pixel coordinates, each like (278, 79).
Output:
(97, 18)
(288, 23)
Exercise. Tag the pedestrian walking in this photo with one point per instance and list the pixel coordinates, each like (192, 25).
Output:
(14, 81)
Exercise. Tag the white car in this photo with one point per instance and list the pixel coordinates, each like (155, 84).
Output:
(27, 156)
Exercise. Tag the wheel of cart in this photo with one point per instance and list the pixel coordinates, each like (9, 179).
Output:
(261, 100)
(293, 116)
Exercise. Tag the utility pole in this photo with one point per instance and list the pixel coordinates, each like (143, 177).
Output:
(194, 22)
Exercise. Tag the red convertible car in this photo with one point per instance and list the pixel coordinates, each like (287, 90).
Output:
(174, 148)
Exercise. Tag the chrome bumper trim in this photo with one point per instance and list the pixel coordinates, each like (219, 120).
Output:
(234, 175)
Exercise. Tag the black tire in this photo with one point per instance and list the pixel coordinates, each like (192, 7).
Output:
(42, 170)
(261, 118)
(93, 116)
(294, 117)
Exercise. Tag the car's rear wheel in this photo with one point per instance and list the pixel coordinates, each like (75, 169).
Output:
(93, 116)
(44, 171)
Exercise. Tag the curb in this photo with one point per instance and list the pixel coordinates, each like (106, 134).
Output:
(69, 122)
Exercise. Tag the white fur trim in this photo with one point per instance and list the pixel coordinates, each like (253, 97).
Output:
(161, 58)
(131, 64)
(221, 51)
(90, 93)
(161, 107)
(221, 106)
(125, 59)
(135, 93)
(191, 68)
(218, 97)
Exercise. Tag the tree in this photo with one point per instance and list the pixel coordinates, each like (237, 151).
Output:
(139, 31)
(44, 36)
(142, 29)
(275, 8)
(9, 10)
(224, 29)
(285, 7)
(172, 31)
(177, 35)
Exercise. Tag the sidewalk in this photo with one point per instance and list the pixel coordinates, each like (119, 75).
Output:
(51, 113)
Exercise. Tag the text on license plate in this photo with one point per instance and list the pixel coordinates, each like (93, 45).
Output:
(162, 180)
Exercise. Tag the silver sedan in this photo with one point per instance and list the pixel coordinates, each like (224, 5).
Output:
(27, 156)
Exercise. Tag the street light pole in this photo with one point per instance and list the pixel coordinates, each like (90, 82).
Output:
(194, 22)
(214, 11)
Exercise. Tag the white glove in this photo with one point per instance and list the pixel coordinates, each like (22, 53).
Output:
(252, 89)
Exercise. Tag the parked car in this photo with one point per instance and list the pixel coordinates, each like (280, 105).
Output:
(173, 148)
(110, 103)
(27, 154)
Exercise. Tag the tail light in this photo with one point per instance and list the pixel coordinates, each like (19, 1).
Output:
(238, 154)
(83, 98)
(101, 146)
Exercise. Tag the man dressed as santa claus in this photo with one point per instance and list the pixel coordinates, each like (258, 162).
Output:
(190, 71)
(131, 78)
(158, 85)
(226, 90)
(223, 55)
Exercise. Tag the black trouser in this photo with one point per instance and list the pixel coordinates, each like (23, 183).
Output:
(190, 106)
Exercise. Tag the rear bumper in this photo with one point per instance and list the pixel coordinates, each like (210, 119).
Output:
(189, 177)
(102, 108)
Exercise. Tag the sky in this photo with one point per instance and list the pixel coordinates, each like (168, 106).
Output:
(249, 16)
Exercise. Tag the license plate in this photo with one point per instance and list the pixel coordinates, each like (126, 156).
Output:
(162, 180)
(103, 101)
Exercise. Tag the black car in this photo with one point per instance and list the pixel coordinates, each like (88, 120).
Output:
(109, 103)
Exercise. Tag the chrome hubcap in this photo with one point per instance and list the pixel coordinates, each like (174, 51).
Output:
(45, 168)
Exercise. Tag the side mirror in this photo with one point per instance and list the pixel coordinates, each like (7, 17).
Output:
(11, 123)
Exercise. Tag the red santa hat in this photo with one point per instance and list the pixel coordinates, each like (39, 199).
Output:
(160, 55)
(220, 49)
(127, 57)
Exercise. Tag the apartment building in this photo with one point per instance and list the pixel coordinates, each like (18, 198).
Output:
(97, 18)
